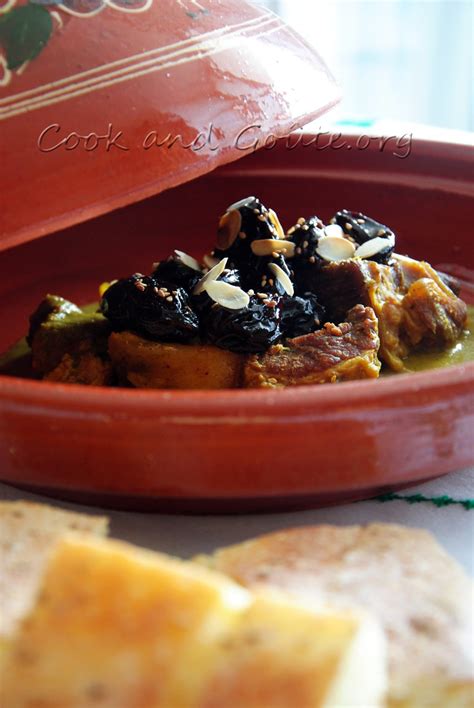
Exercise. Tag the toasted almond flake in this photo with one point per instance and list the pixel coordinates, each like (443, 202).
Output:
(188, 260)
(266, 246)
(282, 278)
(229, 227)
(226, 295)
(276, 223)
(333, 230)
(210, 276)
(335, 248)
(372, 247)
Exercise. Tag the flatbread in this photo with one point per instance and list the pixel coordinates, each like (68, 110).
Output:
(420, 595)
(28, 532)
(119, 627)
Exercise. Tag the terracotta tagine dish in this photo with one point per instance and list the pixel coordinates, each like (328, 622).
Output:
(191, 86)
(95, 93)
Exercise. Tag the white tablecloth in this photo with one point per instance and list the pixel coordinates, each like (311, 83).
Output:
(444, 506)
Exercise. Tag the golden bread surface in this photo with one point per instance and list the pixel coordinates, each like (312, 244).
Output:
(420, 595)
(28, 532)
(120, 627)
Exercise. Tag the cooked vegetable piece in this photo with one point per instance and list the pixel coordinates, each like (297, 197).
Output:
(62, 335)
(145, 364)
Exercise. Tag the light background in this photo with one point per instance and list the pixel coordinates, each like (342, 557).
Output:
(400, 60)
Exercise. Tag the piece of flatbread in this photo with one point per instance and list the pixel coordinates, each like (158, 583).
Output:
(28, 532)
(421, 596)
(116, 626)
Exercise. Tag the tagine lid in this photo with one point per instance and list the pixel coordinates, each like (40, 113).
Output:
(106, 102)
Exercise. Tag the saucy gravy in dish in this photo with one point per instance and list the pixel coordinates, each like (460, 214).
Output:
(265, 309)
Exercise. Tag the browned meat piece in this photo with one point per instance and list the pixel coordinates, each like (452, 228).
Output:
(413, 304)
(146, 364)
(334, 353)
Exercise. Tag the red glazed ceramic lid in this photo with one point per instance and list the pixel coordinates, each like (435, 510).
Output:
(104, 102)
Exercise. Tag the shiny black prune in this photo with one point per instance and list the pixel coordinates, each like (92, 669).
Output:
(176, 272)
(300, 315)
(151, 308)
(249, 330)
(362, 229)
(243, 224)
(305, 234)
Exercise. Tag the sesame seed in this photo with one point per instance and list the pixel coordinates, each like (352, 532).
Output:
(275, 254)
(242, 234)
(305, 244)
(169, 298)
(140, 286)
(270, 281)
(300, 221)
(361, 221)
(305, 227)
(261, 217)
(250, 292)
(256, 211)
(348, 226)
(262, 296)
(291, 231)
(381, 232)
(332, 221)
(312, 259)
(298, 250)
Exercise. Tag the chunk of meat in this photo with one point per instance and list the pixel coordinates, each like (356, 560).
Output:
(145, 364)
(413, 304)
(334, 353)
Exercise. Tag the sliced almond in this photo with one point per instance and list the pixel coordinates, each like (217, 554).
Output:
(226, 295)
(333, 230)
(229, 227)
(282, 278)
(211, 275)
(335, 248)
(188, 260)
(373, 246)
(267, 246)
(275, 221)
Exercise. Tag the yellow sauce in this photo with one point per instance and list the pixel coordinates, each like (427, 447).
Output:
(459, 353)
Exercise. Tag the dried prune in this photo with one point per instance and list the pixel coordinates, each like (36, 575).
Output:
(300, 315)
(305, 234)
(179, 269)
(251, 236)
(151, 308)
(251, 329)
(363, 229)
